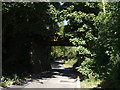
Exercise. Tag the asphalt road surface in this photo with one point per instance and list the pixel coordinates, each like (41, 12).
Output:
(58, 77)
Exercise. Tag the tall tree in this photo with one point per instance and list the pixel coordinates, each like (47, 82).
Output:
(23, 25)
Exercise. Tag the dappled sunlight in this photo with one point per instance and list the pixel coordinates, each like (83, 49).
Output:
(60, 45)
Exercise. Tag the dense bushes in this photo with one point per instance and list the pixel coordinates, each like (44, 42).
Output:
(22, 29)
(94, 29)
(105, 63)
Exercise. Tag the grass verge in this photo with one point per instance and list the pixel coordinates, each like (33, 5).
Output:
(87, 83)
(70, 62)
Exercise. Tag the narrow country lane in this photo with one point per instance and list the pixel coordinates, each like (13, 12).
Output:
(58, 77)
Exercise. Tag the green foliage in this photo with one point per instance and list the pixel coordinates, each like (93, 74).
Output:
(90, 83)
(80, 30)
(82, 50)
(5, 81)
(15, 77)
(108, 48)
(20, 29)
(63, 52)
(22, 21)
(86, 69)
(94, 29)
(70, 62)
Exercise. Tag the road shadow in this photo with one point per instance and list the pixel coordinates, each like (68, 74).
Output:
(68, 72)
(57, 70)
